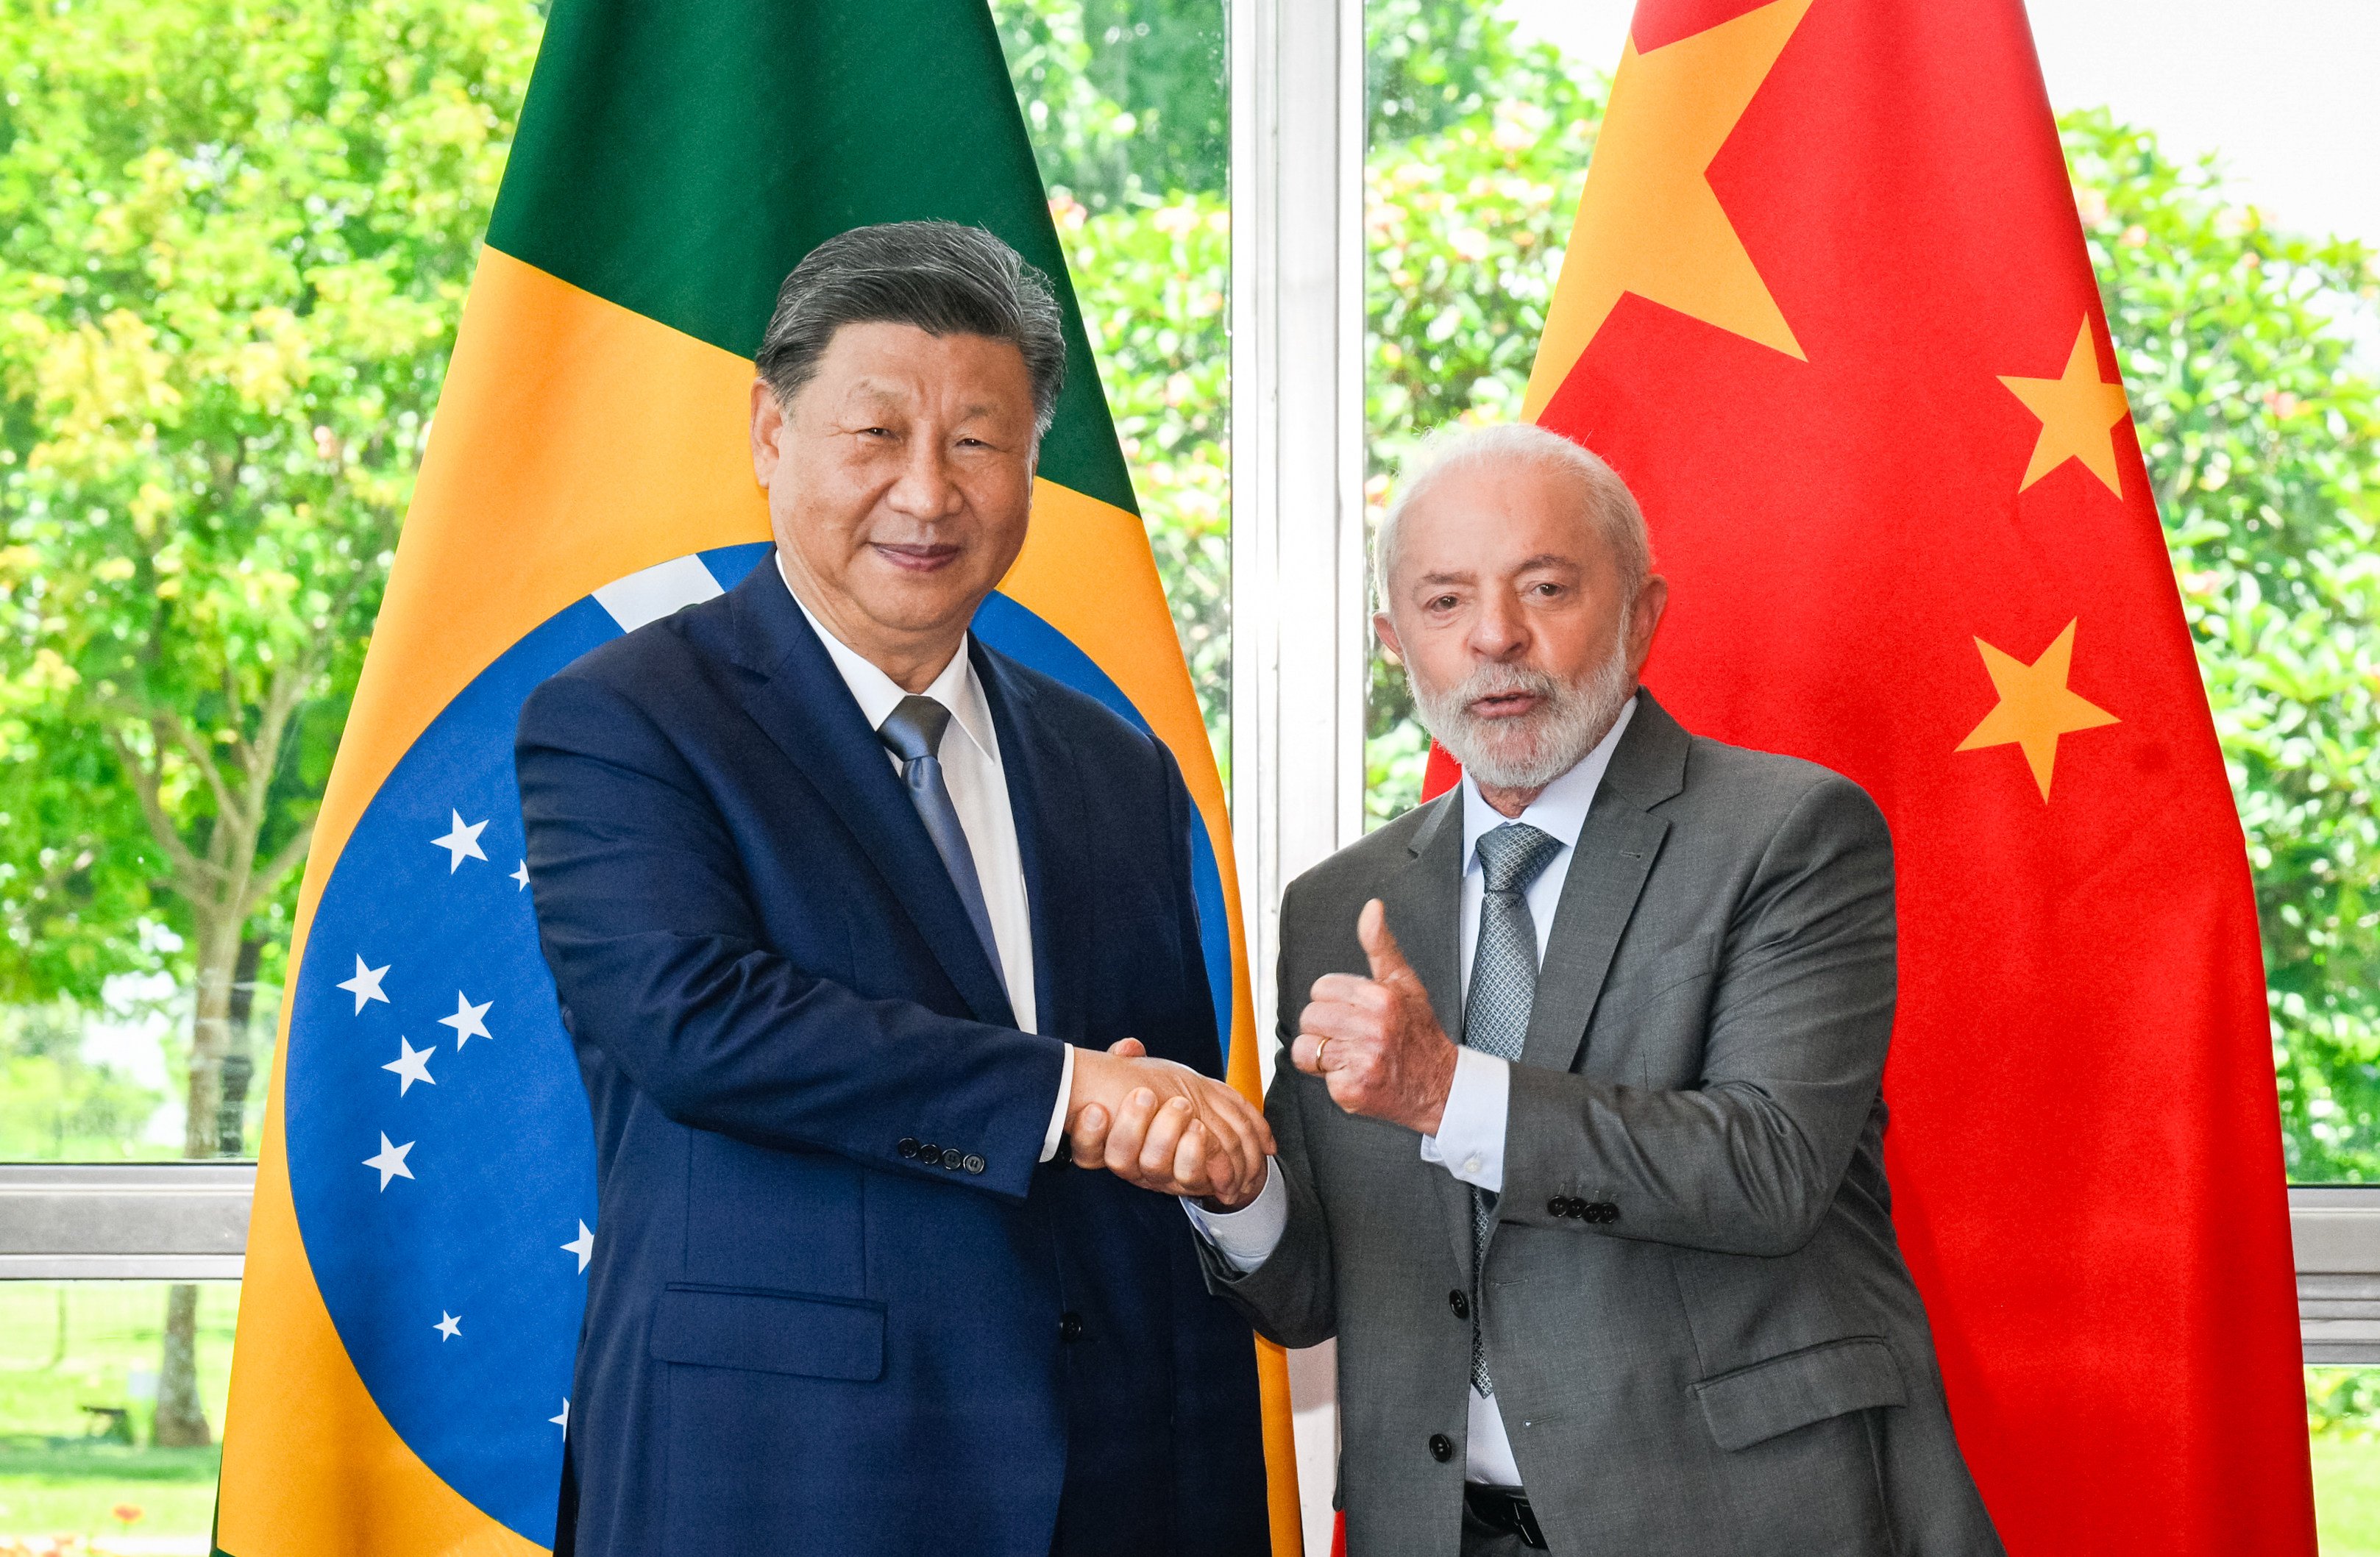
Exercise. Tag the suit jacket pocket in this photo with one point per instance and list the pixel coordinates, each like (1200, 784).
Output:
(1749, 1404)
(769, 1332)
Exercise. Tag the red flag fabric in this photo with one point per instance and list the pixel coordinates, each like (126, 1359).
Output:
(1827, 310)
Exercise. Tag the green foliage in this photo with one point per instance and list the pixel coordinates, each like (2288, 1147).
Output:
(2342, 1402)
(236, 239)
(1125, 98)
(1153, 282)
(2261, 432)
(55, 1104)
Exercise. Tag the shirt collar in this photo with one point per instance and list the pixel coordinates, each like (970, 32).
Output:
(954, 687)
(1559, 810)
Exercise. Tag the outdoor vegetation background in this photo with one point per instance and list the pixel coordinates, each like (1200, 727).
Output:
(234, 242)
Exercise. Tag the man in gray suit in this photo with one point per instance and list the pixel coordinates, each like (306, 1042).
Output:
(1616, 1272)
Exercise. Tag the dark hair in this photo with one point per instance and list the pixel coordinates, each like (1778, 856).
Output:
(941, 277)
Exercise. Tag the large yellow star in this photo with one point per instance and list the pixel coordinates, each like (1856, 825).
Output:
(2035, 709)
(2078, 415)
(1650, 221)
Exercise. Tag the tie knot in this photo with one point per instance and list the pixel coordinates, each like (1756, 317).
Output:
(915, 729)
(1512, 856)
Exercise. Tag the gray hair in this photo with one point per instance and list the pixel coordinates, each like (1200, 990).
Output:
(1609, 501)
(941, 277)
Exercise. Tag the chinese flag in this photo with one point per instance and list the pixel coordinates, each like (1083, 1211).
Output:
(1827, 308)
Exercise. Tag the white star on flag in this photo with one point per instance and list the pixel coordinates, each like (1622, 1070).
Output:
(521, 875)
(448, 1325)
(365, 985)
(465, 1020)
(582, 1246)
(411, 1065)
(563, 1421)
(461, 843)
(390, 1161)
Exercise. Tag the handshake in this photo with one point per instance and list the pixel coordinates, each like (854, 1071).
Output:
(1373, 1042)
(1165, 1126)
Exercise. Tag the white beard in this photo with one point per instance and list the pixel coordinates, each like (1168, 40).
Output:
(1533, 750)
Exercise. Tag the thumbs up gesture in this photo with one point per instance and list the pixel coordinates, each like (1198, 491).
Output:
(1375, 1042)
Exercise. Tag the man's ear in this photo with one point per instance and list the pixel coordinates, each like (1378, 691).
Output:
(1388, 635)
(768, 428)
(1645, 620)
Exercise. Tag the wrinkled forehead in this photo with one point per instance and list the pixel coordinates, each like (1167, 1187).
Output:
(889, 367)
(1493, 518)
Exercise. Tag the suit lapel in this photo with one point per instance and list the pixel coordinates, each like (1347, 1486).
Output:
(799, 700)
(1614, 854)
(1425, 904)
(1046, 796)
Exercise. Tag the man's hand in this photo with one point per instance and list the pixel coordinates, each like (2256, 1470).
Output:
(1375, 1042)
(1165, 1126)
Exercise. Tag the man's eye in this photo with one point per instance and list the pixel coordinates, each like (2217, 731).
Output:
(1443, 603)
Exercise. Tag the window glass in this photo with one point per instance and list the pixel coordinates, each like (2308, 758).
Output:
(229, 343)
(1129, 105)
(83, 1384)
(233, 252)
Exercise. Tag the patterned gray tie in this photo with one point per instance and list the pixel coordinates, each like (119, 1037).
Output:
(1503, 987)
(913, 731)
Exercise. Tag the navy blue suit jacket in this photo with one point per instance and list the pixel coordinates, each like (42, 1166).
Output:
(835, 1305)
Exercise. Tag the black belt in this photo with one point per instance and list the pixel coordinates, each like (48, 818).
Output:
(1504, 1509)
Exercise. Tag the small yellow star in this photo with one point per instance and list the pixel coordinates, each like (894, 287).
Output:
(1650, 221)
(2078, 415)
(2035, 708)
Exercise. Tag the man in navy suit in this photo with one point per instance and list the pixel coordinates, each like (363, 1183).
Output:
(853, 921)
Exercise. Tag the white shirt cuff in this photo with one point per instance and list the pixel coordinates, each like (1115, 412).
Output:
(1470, 1139)
(1247, 1236)
(1058, 1114)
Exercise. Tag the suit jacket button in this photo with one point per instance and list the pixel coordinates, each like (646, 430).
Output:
(973, 1163)
(1606, 1212)
(1441, 1448)
(929, 1154)
(952, 1157)
(1070, 1326)
(1558, 1206)
(1459, 1303)
(908, 1147)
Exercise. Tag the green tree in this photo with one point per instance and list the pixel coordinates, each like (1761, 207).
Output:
(1153, 282)
(236, 242)
(2261, 430)
(1126, 100)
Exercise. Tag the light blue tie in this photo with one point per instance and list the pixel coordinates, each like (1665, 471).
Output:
(1503, 988)
(913, 731)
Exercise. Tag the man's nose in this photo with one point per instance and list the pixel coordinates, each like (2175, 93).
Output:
(925, 489)
(1499, 631)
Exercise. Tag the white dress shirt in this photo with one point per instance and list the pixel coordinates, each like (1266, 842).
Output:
(1470, 1140)
(979, 787)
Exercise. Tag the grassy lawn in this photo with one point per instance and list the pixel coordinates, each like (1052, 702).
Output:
(2346, 1494)
(64, 1346)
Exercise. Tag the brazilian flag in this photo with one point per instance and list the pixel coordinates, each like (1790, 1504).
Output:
(425, 1199)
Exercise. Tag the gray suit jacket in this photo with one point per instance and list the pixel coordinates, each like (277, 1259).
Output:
(1725, 1356)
